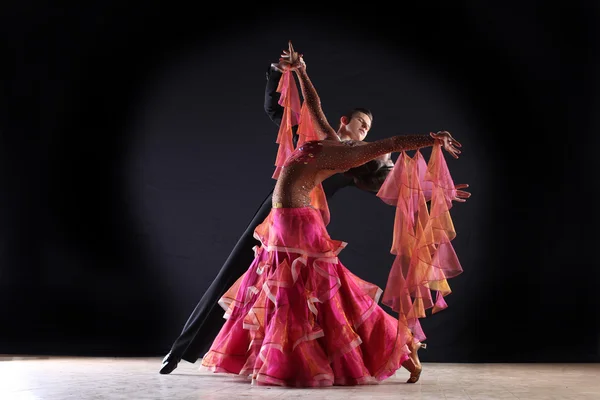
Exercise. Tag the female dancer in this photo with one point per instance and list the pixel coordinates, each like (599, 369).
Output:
(298, 317)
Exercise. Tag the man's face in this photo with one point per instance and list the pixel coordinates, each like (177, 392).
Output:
(358, 126)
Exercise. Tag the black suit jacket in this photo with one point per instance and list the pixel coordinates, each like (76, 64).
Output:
(368, 177)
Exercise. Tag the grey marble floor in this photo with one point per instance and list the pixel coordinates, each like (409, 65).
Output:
(57, 378)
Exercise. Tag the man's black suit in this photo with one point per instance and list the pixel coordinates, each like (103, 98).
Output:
(206, 320)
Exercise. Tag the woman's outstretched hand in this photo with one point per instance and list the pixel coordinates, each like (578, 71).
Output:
(450, 145)
(448, 142)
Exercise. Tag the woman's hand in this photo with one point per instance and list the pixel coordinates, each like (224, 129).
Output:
(290, 59)
(448, 142)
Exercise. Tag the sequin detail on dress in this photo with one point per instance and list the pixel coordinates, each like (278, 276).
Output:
(305, 153)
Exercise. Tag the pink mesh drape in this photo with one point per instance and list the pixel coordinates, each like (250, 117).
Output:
(296, 114)
(425, 258)
(290, 101)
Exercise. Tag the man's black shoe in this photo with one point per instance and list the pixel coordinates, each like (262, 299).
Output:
(169, 363)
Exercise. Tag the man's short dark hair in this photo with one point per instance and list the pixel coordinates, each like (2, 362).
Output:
(353, 111)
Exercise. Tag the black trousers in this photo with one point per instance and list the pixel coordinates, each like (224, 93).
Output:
(206, 320)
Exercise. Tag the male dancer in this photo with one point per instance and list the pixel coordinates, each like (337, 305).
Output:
(207, 318)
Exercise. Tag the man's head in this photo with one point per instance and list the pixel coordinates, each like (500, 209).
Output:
(355, 124)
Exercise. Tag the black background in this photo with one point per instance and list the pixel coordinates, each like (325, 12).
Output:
(135, 150)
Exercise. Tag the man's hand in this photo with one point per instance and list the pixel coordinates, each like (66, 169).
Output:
(448, 142)
(461, 195)
(277, 67)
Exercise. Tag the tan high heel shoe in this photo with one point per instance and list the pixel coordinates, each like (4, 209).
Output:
(414, 356)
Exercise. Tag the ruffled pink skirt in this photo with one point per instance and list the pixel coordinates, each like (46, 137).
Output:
(298, 317)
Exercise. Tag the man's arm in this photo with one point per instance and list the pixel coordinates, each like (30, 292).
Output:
(272, 107)
(371, 175)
